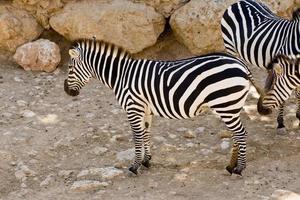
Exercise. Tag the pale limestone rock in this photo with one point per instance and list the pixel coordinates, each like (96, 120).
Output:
(164, 7)
(284, 195)
(197, 23)
(126, 155)
(40, 9)
(88, 185)
(130, 25)
(106, 173)
(40, 55)
(189, 134)
(16, 28)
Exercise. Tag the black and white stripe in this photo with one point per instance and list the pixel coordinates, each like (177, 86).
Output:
(253, 32)
(284, 77)
(170, 89)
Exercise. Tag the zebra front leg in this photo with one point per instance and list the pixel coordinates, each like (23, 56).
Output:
(146, 140)
(281, 130)
(298, 105)
(136, 123)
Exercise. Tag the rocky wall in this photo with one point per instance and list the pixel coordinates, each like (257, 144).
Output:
(135, 25)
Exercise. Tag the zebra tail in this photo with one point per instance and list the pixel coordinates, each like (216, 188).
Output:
(260, 108)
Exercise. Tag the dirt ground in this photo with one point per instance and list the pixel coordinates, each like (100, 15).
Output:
(49, 138)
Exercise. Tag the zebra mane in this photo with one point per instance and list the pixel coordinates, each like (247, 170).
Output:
(77, 43)
(296, 14)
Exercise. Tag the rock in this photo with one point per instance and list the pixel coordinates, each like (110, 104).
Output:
(119, 138)
(28, 114)
(284, 195)
(41, 10)
(88, 185)
(66, 173)
(189, 134)
(134, 26)
(49, 119)
(224, 134)
(64, 143)
(23, 171)
(126, 155)
(40, 55)
(16, 28)
(182, 129)
(21, 103)
(200, 130)
(180, 177)
(109, 173)
(165, 7)
(99, 150)
(49, 179)
(106, 173)
(205, 152)
(281, 8)
(197, 23)
(225, 144)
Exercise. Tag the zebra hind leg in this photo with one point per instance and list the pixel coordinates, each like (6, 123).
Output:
(281, 130)
(238, 155)
(146, 139)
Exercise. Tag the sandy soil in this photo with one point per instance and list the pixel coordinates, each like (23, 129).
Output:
(49, 138)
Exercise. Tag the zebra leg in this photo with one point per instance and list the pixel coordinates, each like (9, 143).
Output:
(298, 105)
(146, 140)
(238, 155)
(136, 123)
(281, 130)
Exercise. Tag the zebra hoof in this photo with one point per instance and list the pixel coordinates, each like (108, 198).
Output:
(133, 169)
(281, 131)
(229, 169)
(238, 170)
(146, 163)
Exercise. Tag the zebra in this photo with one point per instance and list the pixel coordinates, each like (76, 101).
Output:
(170, 89)
(254, 33)
(284, 79)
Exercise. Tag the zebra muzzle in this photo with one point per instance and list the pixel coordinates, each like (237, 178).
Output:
(70, 91)
(261, 109)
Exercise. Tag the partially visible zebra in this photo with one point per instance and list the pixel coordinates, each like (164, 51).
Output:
(170, 89)
(284, 79)
(257, 35)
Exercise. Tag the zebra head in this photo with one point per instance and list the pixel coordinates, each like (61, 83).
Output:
(284, 77)
(79, 71)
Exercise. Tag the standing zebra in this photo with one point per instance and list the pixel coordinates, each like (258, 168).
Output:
(257, 35)
(170, 89)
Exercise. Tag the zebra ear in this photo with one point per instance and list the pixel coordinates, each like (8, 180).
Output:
(74, 53)
(277, 68)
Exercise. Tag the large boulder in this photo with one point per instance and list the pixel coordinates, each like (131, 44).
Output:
(40, 55)
(164, 7)
(284, 195)
(16, 28)
(130, 25)
(40, 9)
(197, 23)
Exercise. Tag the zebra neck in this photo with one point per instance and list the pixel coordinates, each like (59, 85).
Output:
(110, 67)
